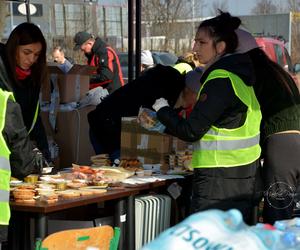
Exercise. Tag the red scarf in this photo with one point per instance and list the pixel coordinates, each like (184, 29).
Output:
(22, 73)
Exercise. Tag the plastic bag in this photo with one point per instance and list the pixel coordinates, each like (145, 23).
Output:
(215, 229)
(93, 97)
(148, 120)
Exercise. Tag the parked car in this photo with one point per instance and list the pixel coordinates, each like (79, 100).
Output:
(277, 52)
(164, 58)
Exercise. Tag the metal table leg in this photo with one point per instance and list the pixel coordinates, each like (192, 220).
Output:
(41, 226)
(130, 223)
(120, 220)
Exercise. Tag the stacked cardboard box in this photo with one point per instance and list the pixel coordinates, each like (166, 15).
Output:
(71, 130)
(149, 147)
(71, 133)
(72, 86)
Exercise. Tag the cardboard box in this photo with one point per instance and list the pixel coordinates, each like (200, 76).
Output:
(71, 135)
(72, 86)
(149, 147)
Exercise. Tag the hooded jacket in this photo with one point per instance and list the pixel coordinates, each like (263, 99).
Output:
(218, 105)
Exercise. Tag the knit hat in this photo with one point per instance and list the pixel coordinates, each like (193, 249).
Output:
(246, 41)
(80, 38)
(192, 79)
(146, 57)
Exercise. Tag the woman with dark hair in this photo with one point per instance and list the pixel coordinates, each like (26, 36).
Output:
(279, 99)
(224, 123)
(23, 69)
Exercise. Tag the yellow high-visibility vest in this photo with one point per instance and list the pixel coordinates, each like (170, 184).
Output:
(222, 147)
(5, 171)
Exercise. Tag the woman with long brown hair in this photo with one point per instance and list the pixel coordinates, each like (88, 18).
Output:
(23, 70)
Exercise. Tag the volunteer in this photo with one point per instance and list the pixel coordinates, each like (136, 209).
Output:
(17, 155)
(64, 63)
(108, 74)
(105, 120)
(224, 123)
(23, 68)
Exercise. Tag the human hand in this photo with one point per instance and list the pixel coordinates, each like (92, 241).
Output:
(160, 103)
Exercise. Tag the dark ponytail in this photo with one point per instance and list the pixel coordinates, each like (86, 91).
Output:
(222, 28)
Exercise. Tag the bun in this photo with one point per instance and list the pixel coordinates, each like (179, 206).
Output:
(69, 194)
(30, 201)
(51, 201)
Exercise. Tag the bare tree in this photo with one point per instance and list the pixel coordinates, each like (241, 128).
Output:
(264, 7)
(3, 14)
(161, 17)
(218, 5)
(294, 7)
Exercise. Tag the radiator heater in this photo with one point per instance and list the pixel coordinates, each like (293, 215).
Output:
(152, 216)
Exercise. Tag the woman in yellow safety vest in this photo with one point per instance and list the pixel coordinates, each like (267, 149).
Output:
(17, 157)
(23, 68)
(224, 123)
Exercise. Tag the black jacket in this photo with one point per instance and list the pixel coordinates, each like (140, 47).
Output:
(218, 105)
(109, 73)
(22, 158)
(156, 82)
(27, 95)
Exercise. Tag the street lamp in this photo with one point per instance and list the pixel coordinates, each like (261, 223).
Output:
(193, 16)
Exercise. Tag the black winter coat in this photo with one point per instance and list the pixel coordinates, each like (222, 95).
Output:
(27, 95)
(218, 104)
(156, 82)
(109, 72)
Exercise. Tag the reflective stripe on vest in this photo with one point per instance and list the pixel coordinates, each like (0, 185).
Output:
(4, 164)
(183, 68)
(221, 147)
(4, 161)
(227, 145)
(35, 117)
(4, 195)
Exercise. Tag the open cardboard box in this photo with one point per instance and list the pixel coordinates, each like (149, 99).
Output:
(72, 86)
(148, 146)
(72, 137)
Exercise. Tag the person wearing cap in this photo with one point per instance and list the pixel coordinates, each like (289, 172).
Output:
(108, 74)
(279, 100)
(146, 60)
(224, 123)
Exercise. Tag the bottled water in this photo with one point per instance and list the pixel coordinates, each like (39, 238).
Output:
(290, 230)
(215, 229)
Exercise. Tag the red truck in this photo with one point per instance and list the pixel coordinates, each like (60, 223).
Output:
(277, 52)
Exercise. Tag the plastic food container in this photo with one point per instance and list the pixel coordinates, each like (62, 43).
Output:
(148, 172)
(32, 178)
(140, 173)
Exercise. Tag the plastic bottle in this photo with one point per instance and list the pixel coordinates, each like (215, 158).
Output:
(215, 229)
(290, 230)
